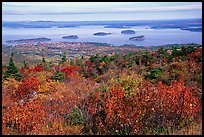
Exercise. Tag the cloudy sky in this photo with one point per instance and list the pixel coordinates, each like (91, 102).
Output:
(97, 11)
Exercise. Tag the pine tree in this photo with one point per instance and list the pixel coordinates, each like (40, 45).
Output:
(12, 70)
(71, 62)
(43, 60)
(63, 58)
(24, 63)
(58, 75)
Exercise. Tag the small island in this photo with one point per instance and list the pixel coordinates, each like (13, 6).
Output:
(141, 37)
(71, 37)
(128, 32)
(101, 34)
(29, 40)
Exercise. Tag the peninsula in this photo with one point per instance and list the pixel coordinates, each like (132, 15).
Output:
(29, 40)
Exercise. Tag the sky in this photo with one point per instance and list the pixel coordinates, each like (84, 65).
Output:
(99, 11)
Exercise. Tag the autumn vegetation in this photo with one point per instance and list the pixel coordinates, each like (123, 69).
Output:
(139, 93)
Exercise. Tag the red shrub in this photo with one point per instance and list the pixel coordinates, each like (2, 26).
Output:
(38, 68)
(154, 106)
(71, 70)
(27, 87)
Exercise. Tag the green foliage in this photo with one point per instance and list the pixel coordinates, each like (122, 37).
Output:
(183, 51)
(12, 71)
(113, 57)
(175, 52)
(129, 83)
(75, 117)
(43, 60)
(153, 73)
(131, 63)
(92, 58)
(128, 99)
(58, 75)
(187, 50)
(161, 50)
(79, 63)
(25, 63)
(102, 89)
(71, 62)
(105, 59)
(148, 57)
(63, 57)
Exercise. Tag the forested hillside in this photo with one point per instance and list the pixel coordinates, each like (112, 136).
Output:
(144, 92)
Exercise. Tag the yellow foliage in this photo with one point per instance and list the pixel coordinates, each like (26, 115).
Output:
(42, 96)
(12, 84)
(130, 83)
(49, 86)
(41, 76)
(44, 87)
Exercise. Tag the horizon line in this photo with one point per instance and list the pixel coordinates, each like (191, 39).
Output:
(100, 20)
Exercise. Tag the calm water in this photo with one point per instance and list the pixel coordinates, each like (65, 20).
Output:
(153, 37)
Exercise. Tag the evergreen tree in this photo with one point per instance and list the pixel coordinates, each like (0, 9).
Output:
(43, 60)
(92, 58)
(12, 70)
(24, 63)
(71, 62)
(79, 63)
(105, 59)
(161, 50)
(63, 58)
(58, 75)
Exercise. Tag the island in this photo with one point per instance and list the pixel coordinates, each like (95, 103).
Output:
(128, 32)
(29, 40)
(192, 29)
(101, 34)
(195, 28)
(71, 37)
(141, 37)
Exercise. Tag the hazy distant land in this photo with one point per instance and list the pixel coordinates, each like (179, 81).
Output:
(156, 32)
(29, 40)
(185, 24)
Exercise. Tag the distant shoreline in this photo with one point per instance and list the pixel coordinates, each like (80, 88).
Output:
(29, 40)
(110, 45)
(183, 24)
